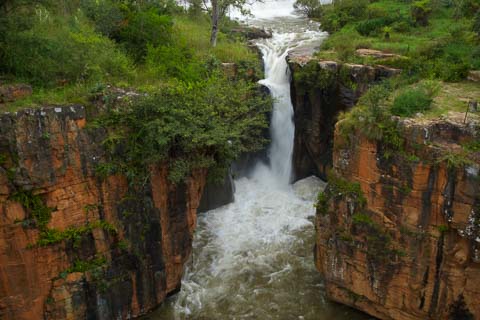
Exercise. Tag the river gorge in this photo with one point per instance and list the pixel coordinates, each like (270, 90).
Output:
(252, 259)
(331, 220)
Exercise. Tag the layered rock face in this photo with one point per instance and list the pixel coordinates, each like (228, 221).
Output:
(398, 235)
(320, 90)
(73, 245)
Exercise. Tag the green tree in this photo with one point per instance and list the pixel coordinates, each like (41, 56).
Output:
(311, 8)
(421, 11)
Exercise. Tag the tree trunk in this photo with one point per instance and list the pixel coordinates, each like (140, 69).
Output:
(215, 18)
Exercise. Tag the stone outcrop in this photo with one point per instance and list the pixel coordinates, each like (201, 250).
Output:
(251, 33)
(76, 246)
(474, 75)
(320, 91)
(398, 234)
(375, 54)
(217, 194)
(12, 92)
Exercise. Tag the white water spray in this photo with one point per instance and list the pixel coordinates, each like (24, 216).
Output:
(253, 259)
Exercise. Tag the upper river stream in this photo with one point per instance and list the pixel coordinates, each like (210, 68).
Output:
(253, 259)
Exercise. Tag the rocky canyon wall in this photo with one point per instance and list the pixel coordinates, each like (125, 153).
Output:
(76, 246)
(320, 91)
(398, 234)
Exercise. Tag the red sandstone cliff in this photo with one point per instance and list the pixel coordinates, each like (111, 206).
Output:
(399, 237)
(320, 90)
(116, 252)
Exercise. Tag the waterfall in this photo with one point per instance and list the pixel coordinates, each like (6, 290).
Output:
(252, 259)
(282, 128)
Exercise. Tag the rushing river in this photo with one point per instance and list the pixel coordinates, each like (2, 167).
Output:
(253, 259)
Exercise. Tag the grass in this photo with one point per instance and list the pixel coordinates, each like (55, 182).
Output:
(405, 40)
(454, 97)
(73, 94)
(187, 31)
(449, 97)
(196, 34)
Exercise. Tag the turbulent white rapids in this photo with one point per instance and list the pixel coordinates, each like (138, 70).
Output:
(253, 259)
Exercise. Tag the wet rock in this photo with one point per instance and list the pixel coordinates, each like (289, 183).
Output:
(252, 32)
(217, 194)
(308, 188)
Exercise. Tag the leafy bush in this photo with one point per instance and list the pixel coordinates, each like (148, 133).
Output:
(367, 27)
(196, 125)
(107, 16)
(143, 29)
(421, 11)
(55, 50)
(465, 8)
(176, 62)
(336, 15)
(372, 119)
(411, 101)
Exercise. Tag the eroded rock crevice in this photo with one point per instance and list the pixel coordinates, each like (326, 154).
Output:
(77, 246)
(320, 91)
(397, 233)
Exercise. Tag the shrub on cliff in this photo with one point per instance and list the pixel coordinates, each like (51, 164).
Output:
(196, 125)
(411, 101)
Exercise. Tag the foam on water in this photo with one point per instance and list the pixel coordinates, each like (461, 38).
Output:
(253, 259)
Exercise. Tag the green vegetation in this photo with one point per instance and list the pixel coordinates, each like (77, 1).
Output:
(339, 188)
(456, 159)
(188, 114)
(373, 118)
(322, 203)
(472, 146)
(312, 76)
(204, 125)
(73, 234)
(411, 101)
(379, 245)
(41, 214)
(35, 207)
(66, 50)
(85, 265)
(442, 228)
(362, 218)
(433, 39)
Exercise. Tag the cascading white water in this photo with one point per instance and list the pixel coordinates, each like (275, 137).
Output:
(282, 128)
(253, 259)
